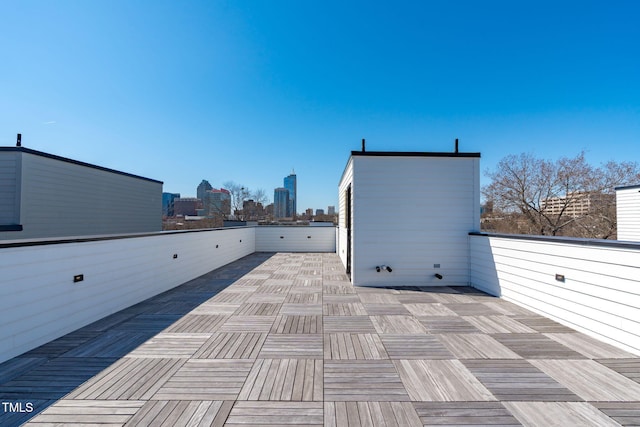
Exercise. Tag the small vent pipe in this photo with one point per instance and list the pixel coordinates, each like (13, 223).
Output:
(456, 145)
(363, 148)
(19, 140)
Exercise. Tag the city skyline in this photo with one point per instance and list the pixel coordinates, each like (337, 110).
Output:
(242, 91)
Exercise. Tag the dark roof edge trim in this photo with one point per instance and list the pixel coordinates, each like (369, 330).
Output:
(62, 240)
(627, 187)
(75, 162)
(620, 244)
(412, 154)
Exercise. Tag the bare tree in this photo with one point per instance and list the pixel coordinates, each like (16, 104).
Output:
(565, 197)
(239, 193)
(260, 196)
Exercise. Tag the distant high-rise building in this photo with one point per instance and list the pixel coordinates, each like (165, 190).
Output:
(281, 202)
(309, 213)
(185, 206)
(219, 202)
(291, 184)
(203, 187)
(167, 203)
(319, 212)
(331, 210)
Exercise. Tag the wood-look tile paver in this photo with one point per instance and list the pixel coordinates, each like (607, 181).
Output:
(440, 380)
(589, 347)
(348, 346)
(590, 380)
(370, 414)
(300, 297)
(248, 324)
(231, 345)
(397, 325)
(87, 412)
(542, 324)
(498, 324)
(378, 298)
(362, 380)
(475, 346)
(285, 339)
(284, 380)
(630, 368)
(447, 325)
(130, 378)
(172, 413)
(292, 346)
(301, 309)
(355, 324)
(559, 414)
(386, 309)
(344, 309)
(171, 345)
(465, 414)
(198, 323)
(518, 380)
(624, 413)
(415, 347)
(258, 309)
(286, 324)
(536, 346)
(253, 414)
(429, 309)
(206, 379)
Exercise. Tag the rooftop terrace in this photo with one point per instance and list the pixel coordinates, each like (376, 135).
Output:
(285, 339)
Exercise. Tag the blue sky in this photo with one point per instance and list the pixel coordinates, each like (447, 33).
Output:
(247, 90)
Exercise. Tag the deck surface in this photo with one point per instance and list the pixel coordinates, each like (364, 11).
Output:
(284, 339)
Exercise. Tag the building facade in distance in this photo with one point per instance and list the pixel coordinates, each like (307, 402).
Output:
(281, 203)
(219, 202)
(167, 203)
(186, 206)
(291, 184)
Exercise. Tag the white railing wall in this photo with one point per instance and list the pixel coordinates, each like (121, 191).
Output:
(600, 294)
(295, 239)
(39, 300)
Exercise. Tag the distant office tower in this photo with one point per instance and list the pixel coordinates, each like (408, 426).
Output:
(185, 206)
(202, 190)
(290, 183)
(281, 202)
(167, 203)
(319, 212)
(219, 202)
(331, 210)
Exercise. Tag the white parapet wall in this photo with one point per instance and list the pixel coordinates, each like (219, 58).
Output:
(295, 239)
(39, 300)
(592, 286)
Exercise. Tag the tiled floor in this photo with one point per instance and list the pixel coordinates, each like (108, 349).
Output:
(284, 339)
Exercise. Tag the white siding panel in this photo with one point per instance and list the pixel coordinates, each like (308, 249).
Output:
(9, 188)
(628, 213)
(600, 295)
(345, 182)
(39, 301)
(412, 213)
(61, 198)
(295, 239)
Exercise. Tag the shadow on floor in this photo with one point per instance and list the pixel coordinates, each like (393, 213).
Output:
(34, 380)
